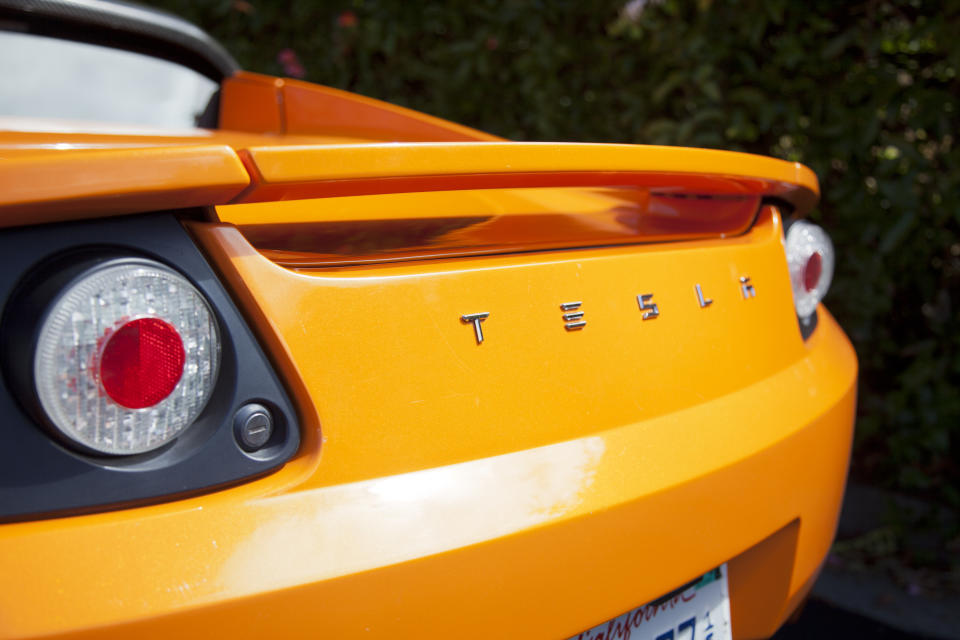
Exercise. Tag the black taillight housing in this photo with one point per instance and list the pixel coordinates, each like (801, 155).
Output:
(126, 365)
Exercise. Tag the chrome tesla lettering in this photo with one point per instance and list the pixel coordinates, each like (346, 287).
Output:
(476, 319)
(650, 309)
(573, 315)
(574, 319)
(704, 301)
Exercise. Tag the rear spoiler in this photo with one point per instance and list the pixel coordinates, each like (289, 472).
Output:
(300, 172)
(52, 184)
(45, 183)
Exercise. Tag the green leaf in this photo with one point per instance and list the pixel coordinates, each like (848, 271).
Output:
(665, 88)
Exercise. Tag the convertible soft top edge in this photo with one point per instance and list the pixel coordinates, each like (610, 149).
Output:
(123, 25)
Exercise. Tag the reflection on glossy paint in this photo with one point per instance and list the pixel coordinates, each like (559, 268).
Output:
(357, 230)
(403, 517)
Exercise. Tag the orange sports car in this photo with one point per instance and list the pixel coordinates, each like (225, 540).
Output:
(284, 361)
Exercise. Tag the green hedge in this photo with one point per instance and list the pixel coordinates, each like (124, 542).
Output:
(865, 93)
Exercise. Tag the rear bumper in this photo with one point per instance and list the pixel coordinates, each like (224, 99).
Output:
(540, 543)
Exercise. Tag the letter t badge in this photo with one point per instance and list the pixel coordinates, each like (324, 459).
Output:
(476, 319)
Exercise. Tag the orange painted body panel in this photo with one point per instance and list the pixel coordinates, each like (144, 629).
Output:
(541, 482)
(264, 104)
(42, 185)
(544, 541)
(534, 485)
(61, 175)
(355, 230)
(292, 172)
(439, 376)
(251, 102)
(53, 171)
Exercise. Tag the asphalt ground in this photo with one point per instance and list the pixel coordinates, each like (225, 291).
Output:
(824, 621)
(868, 588)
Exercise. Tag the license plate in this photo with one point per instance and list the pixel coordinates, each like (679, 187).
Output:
(697, 611)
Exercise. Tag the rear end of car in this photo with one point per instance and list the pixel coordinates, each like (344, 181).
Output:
(377, 375)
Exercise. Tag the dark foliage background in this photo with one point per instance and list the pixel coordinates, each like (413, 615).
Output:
(866, 93)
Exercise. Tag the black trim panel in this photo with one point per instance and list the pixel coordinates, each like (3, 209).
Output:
(808, 325)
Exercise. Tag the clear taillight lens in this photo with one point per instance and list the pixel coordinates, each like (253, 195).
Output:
(126, 358)
(810, 259)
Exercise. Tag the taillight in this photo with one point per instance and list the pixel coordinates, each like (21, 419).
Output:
(126, 357)
(127, 372)
(810, 259)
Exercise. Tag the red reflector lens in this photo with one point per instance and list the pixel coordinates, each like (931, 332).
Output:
(812, 271)
(142, 362)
